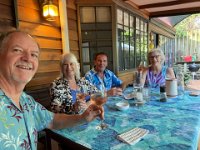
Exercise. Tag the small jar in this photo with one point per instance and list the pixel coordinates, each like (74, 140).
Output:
(163, 95)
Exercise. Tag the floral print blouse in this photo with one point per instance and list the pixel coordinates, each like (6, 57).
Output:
(61, 96)
(18, 128)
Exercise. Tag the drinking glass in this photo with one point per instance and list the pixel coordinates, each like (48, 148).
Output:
(81, 93)
(99, 99)
(142, 65)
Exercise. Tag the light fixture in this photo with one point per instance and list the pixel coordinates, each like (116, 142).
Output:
(50, 10)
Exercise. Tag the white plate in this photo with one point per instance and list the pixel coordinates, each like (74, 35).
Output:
(129, 96)
(122, 105)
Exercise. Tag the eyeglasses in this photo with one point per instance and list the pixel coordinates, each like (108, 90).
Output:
(156, 56)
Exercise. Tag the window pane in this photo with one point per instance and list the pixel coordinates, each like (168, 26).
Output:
(120, 32)
(86, 68)
(119, 16)
(126, 19)
(131, 21)
(86, 55)
(120, 54)
(87, 14)
(126, 33)
(103, 14)
(137, 23)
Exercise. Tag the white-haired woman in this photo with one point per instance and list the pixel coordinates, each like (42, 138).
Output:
(64, 89)
(155, 75)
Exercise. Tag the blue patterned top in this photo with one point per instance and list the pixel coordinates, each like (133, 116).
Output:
(172, 125)
(18, 128)
(155, 80)
(110, 79)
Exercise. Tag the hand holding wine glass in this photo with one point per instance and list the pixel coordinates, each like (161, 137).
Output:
(100, 99)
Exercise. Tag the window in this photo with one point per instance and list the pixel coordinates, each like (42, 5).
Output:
(96, 33)
(168, 46)
(132, 40)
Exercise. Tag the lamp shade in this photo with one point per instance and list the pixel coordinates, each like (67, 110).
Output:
(50, 11)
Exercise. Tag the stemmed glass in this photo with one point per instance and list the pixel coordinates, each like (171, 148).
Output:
(100, 99)
(81, 93)
(142, 65)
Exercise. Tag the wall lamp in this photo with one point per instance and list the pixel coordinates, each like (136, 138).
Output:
(50, 10)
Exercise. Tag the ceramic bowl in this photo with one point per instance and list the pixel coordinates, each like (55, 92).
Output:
(122, 105)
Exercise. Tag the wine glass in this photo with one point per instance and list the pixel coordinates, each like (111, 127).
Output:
(81, 94)
(99, 99)
(142, 65)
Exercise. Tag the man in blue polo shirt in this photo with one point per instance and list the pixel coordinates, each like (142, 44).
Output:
(102, 78)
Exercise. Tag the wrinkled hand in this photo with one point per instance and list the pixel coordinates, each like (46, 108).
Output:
(92, 112)
(115, 91)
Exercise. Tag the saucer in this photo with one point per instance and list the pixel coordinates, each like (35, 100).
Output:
(122, 105)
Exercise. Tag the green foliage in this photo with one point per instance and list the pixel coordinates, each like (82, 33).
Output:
(187, 25)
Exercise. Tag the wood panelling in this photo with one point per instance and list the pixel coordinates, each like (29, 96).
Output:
(48, 35)
(45, 81)
(6, 25)
(46, 54)
(72, 25)
(40, 30)
(49, 43)
(71, 4)
(33, 4)
(73, 45)
(73, 35)
(6, 12)
(71, 14)
(35, 16)
(48, 66)
(6, 2)
(7, 22)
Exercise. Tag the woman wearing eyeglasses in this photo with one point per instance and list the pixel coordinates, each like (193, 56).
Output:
(156, 73)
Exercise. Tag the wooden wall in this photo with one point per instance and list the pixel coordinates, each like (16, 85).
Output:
(48, 35)
(7, 18)
(73, 28)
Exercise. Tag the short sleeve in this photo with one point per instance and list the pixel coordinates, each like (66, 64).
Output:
(42, 116)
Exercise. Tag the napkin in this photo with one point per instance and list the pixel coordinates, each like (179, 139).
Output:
(133, 136)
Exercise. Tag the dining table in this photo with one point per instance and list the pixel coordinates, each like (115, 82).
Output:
(172, 125)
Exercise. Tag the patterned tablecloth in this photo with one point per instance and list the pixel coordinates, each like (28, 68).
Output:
(173, 125)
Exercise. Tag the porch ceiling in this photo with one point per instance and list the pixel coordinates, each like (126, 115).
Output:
(169, 11)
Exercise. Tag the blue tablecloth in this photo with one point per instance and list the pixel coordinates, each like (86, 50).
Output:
(173, 125)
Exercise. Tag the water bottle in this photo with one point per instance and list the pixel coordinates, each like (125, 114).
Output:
(180, 83)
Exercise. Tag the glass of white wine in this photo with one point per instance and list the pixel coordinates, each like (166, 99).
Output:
(99, 99)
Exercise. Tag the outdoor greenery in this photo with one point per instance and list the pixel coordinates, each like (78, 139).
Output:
(189, 24)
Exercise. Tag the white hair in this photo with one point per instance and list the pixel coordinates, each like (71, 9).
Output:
(70, 58)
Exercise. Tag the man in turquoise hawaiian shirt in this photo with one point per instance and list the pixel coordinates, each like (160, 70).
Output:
(103, 78)
(20, 116)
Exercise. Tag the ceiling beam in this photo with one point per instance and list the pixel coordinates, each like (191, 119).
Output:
(175, 12)
(165, 4)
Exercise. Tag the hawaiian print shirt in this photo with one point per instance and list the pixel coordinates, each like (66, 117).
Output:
(18, 128)
(61, 96)
(110, 79)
